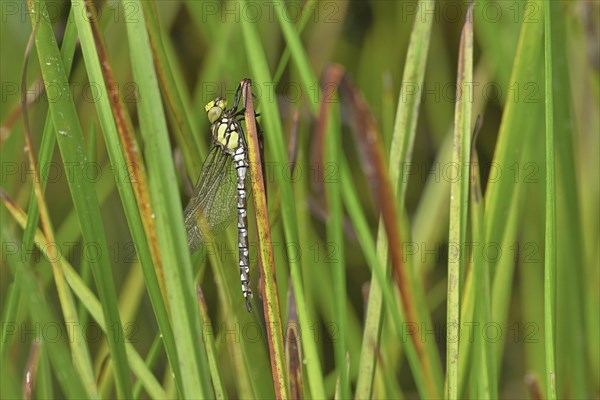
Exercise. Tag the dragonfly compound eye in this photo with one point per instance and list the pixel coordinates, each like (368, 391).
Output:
(214, 113)
(215, 108)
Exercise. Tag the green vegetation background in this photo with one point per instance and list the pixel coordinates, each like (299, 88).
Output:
(528, 253)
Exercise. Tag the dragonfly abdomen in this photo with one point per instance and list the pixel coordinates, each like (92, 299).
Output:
(241, 166)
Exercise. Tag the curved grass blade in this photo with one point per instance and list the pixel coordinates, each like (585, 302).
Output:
(88, 299)
(80, 351)
(45, 154)
(68, 378)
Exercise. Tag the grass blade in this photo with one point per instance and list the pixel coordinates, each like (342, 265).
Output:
(550, 230)
(89, 300)
(81, 356)
(520, 122)
(266, 261)
(123, 150)
(484, 365)
(275, 144)
(186, 138)
(293, 350)
(211, 352)
(371, 154)
(60, 356)
(169, 217)
(459, 200)
(329, 121)
(571, 326)
(70, 142)
(401, 147)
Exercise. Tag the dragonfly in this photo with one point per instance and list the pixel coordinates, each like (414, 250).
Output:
(221, 186)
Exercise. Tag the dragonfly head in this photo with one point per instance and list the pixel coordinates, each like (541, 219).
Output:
(215, 108)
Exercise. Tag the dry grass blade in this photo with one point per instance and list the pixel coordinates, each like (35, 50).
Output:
(265, 250)
(370, 149)
(293, 350)
(131, 152)
(81, 357)
(332, 77)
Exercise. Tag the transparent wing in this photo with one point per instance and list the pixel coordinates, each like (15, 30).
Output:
(212, 206)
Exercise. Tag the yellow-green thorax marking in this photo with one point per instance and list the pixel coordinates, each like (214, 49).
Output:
(226, 130)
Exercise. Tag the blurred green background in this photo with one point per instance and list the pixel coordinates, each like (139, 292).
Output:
(201, 50)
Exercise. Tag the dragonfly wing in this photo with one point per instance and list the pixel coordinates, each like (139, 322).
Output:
(212, 206)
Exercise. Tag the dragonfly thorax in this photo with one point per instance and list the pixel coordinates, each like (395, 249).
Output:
(226, 133)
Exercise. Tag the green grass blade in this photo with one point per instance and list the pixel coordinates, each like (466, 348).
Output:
(402, 143)
(48, 137)
(519, 125)
(359, 221)
(89, 300)
(550, 231)
(459, 201)
(211, 352)
(45, 152)
(570, 320)
(59, 354)
(335, 236)
(307, 11)
(298, 55)
(484, 365)
(186, 138)
(112, 120)
(70, 141)
(407, 113)
(81, 356)
(515, 118)
(276, 147)
(169, 216)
